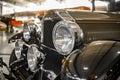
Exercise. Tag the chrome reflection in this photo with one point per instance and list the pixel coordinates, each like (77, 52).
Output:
(66, 35)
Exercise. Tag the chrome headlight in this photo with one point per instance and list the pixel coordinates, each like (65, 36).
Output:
(28, 29)
(33, 55)
(66, 35)
(18, 49)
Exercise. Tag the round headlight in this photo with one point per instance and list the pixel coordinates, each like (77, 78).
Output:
(29, 31)
(66, 35)
(33, 56)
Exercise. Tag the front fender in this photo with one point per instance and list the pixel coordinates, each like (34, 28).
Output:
(15, 37)
(98, 60)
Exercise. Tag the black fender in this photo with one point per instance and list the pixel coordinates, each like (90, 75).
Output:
(100, 60)
(15, 37)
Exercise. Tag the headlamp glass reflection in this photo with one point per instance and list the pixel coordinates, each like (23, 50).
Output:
(26, 36)
(63, 39)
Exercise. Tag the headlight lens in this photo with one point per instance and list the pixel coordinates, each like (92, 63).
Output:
(29, 30)
(66, 35)
(33, 56)
(26, 35)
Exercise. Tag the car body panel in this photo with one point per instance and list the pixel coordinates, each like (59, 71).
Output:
(97, 60)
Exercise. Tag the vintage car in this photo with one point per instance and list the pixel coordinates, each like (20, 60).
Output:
(64, 31)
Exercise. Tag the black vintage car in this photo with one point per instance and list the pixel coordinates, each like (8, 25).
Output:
(64, 31)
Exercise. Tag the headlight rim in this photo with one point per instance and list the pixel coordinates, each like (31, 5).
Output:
(69, 25)
(71, 33)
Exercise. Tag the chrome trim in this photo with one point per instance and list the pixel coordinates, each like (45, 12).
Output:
(75, 30)
(64, 15)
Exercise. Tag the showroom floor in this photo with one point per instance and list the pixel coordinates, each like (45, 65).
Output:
(5, 48)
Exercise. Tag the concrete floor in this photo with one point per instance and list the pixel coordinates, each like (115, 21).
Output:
(5, 48)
